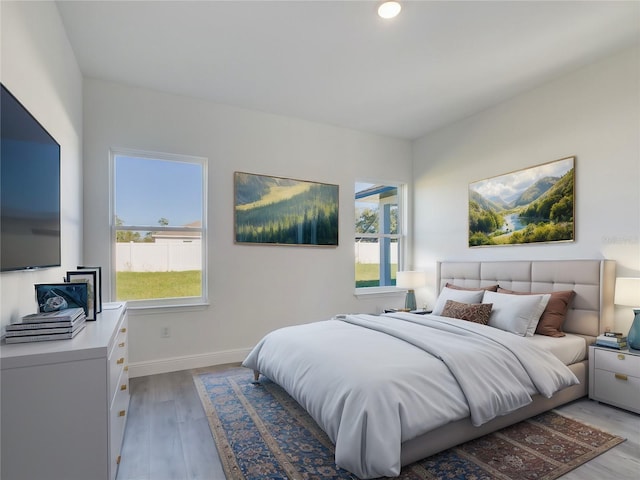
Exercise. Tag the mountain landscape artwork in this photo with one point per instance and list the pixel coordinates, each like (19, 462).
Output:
(284, 211)
(534, 205)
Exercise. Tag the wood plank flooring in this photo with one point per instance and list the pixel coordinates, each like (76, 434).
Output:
(168, 438)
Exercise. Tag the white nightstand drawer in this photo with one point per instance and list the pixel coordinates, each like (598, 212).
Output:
(617, 389)
(617, 362)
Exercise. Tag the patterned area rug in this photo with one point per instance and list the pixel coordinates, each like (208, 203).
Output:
(263, 434)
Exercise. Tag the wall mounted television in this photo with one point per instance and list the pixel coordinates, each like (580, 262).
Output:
(29, 190)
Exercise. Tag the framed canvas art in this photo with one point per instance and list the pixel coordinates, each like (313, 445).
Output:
(284, 211)
(534, 205)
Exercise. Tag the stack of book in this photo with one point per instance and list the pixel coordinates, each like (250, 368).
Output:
(612, 339)
(39, 327)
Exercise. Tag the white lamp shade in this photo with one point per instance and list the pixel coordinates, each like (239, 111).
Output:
(627, 291)
(410, 279)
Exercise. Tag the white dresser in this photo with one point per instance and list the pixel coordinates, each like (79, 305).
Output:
(64, 403)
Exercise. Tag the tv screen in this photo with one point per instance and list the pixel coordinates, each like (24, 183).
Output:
(29, 190)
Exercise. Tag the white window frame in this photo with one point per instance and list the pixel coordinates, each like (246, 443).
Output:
(164, 303)
(401, 236)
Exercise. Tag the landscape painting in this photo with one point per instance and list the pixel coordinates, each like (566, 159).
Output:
(534, 205)
(284, 211)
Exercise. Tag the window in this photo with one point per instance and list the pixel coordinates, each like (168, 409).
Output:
(378, 234)
(159, 228)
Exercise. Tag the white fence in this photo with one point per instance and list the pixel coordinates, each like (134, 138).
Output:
(158, 257)
(370, 252)
(167, 257)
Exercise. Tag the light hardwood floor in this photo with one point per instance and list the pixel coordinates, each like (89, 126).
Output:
(168, 437)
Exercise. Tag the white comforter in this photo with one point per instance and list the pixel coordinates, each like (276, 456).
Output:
(374, 382)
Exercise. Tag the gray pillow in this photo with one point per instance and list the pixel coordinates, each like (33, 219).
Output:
(462, 296)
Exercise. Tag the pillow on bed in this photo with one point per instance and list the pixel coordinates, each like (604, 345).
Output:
(463, 296)
(517, 314)
(473, 312)
(552, 318)
(493, 288)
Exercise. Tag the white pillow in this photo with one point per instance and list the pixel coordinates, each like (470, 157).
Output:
(462, 296)
(517, 314)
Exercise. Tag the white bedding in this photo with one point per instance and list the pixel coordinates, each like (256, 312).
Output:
(569, 349)
(370, 384)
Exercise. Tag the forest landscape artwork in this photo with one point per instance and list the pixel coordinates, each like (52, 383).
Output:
(285, 211)
(534, 205)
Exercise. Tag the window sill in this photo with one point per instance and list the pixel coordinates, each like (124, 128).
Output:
(135, 310)
(380, 292)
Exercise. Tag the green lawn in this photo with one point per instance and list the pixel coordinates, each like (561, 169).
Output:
(148, 285)
(368, 274)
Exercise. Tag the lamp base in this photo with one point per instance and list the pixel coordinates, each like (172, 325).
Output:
(633, 337)
(410, 300)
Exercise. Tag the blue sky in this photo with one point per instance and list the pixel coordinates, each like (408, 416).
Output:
(147, 190)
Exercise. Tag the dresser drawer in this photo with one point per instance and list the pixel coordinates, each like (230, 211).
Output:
(118, 416)
(117, 359)
(618, 389)
(617, 362)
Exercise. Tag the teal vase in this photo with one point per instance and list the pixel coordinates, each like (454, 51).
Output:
(633, 337)
(410, 300)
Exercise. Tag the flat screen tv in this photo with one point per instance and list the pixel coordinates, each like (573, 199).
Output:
(29, 190)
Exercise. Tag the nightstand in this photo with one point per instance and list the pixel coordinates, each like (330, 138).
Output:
(614, 377)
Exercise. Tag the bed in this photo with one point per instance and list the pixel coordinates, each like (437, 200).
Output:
(362, 377)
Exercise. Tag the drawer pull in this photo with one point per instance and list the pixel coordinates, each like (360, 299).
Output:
(122, 413)
(123, 387)
(621, 357)
(121, 344)
(118, 459)
(120, 361)
(123, 330)
(126, 369)
(621, 376)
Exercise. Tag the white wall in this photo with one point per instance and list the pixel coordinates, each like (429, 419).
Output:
(252, 289)
(38, 66)
(594, 114)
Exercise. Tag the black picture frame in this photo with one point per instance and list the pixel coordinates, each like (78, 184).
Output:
(50, 295)
(88, 277)
(98, 271)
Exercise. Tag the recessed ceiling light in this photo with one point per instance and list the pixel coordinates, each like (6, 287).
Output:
(389, 9)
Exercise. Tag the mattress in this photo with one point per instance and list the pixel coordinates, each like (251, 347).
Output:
(569, 349)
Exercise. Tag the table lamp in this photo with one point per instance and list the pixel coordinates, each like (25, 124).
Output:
(410, 280)
(628, 294)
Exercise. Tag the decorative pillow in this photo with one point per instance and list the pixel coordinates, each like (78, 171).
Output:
(492, 288)
(473, 312)
(552, 318)
(517, 314)
(464, 296)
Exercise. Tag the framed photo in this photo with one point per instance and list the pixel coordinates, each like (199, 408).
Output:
(59, 296)
(88, 277)
(534, 205)
(284, 211)
(98, 285)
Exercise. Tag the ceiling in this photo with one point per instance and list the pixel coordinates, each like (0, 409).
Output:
(337, 62)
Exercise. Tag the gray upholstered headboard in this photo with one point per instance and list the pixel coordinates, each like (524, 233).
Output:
(591, 312)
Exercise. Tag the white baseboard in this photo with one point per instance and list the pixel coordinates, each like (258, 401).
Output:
(166, 365)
